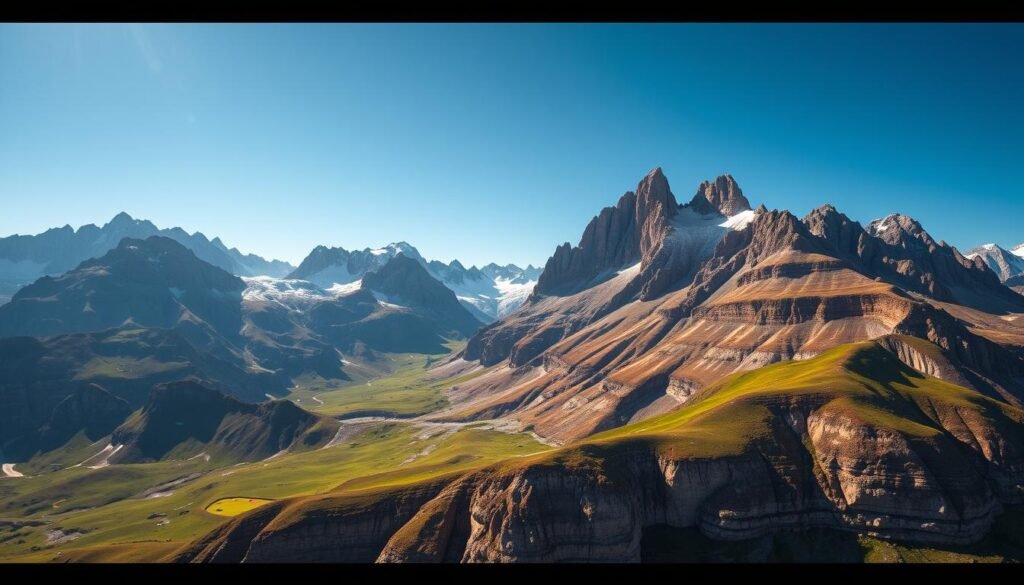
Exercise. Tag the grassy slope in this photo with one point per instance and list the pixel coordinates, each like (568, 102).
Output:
(402, 391)
(120, 525)
(862, 379)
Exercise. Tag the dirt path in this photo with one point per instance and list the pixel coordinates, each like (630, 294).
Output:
(10, 472)
(425, 422)
(101, 459)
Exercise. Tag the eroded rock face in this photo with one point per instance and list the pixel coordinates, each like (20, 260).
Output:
(325, 529)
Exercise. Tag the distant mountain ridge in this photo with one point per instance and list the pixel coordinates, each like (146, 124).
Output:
(149, 283)
(1007, 264)
(25, 258)
(488, 293)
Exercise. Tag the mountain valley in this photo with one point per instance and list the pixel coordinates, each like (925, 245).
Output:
(691, 381)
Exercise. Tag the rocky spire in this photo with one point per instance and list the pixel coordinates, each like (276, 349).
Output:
(723, 196)
(618, 236)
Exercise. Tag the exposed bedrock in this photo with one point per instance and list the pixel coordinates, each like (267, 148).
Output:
(801, 309)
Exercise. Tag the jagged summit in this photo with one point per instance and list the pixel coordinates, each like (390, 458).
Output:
(891, 227)
(645, 226)
(723, 196)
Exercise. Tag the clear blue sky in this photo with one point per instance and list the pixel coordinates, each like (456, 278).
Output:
(496, 143)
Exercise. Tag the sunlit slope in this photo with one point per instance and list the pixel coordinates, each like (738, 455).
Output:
(852, 440)
(140, 512)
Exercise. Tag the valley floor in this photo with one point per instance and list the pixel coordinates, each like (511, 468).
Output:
(61, 510)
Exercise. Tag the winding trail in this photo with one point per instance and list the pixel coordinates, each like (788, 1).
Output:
(10, 472)
(101, 459)
(426, 422)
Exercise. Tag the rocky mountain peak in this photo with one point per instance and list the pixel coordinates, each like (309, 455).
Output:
(406, 282)
(722, 196)
(892, 229)
(407, 279)
(121, 219)
(1003, 262)
(827, 222)
(653, 195)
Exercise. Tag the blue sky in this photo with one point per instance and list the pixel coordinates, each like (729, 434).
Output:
(498, 142)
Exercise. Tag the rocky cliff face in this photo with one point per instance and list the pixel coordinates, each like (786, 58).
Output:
(908, 255)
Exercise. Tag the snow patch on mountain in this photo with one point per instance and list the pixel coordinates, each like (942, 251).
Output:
(698, 234)
(494, 297)
(340, 290)
(287, 292)
(632, 270)
(333, 275)
(740, 220)
(880, 225)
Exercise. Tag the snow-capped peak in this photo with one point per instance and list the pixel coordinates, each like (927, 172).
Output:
(1018, 250)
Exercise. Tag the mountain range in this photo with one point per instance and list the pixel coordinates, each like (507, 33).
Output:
(1007, 264)
(692, 379)
(23, 259)
(489, 293)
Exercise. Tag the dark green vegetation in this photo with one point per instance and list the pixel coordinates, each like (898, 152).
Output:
(54, 387)
(186, 419)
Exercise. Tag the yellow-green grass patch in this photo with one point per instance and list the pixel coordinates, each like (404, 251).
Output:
(234, 506)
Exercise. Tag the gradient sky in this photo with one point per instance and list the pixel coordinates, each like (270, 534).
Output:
(498, 142)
